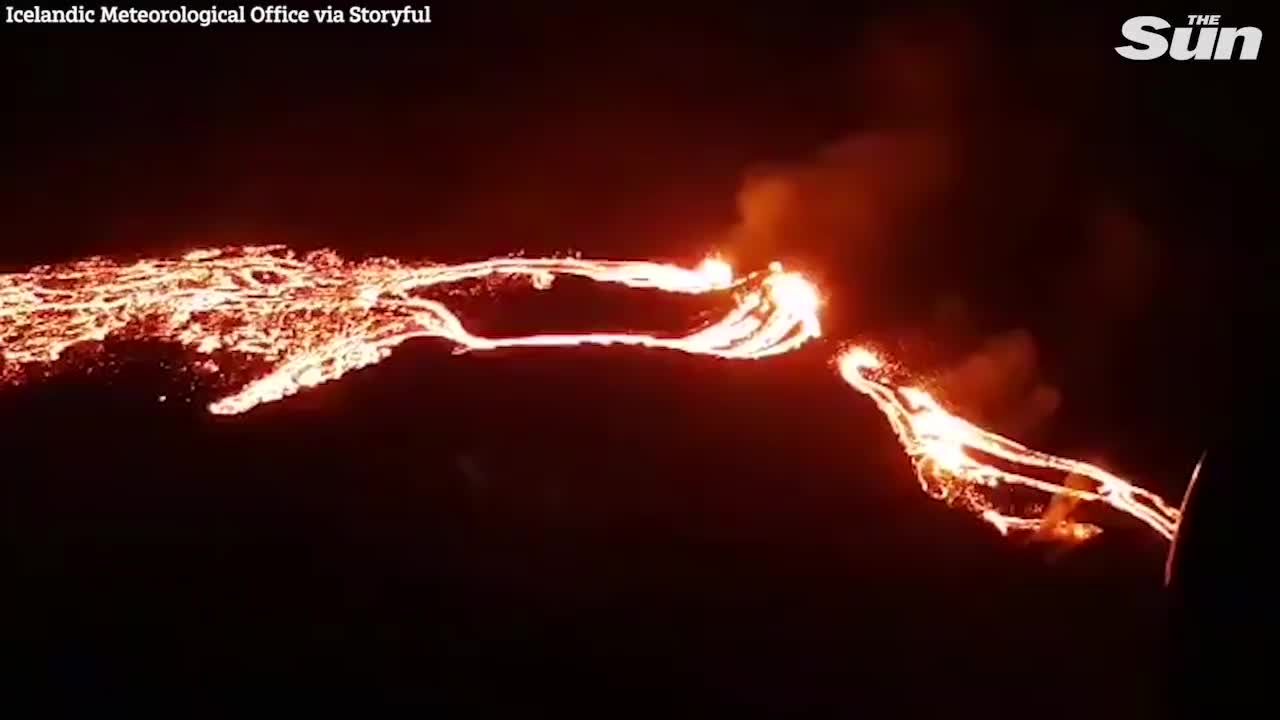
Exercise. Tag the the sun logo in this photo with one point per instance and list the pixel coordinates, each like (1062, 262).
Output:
(1212, 42)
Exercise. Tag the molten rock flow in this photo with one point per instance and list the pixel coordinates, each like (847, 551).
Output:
(316, 318)
(948, 453)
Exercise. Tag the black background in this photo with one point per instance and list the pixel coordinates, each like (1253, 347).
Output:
(645, 531)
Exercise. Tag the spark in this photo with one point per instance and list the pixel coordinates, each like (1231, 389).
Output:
(947, 452)
(315, 318)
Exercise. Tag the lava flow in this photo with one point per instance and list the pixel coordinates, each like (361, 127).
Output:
(947, 453)
(315, 318)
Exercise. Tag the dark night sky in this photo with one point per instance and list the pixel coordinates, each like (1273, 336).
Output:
(650, 531)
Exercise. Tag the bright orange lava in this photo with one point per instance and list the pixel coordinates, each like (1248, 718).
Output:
(942, 447)
(316, 318)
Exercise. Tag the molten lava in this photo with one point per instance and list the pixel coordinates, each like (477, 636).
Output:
(947, 452)
(316, 318)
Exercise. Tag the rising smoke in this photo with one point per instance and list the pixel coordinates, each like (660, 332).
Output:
(963, 212)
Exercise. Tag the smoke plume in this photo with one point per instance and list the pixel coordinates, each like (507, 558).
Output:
(960, 211)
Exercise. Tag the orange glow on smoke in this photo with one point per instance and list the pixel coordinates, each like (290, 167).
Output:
(314, 318)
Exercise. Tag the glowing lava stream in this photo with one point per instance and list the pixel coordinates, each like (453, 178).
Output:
(941, 447)
(317, 317)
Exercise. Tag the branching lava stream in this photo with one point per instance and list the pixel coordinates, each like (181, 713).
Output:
(316, 317)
